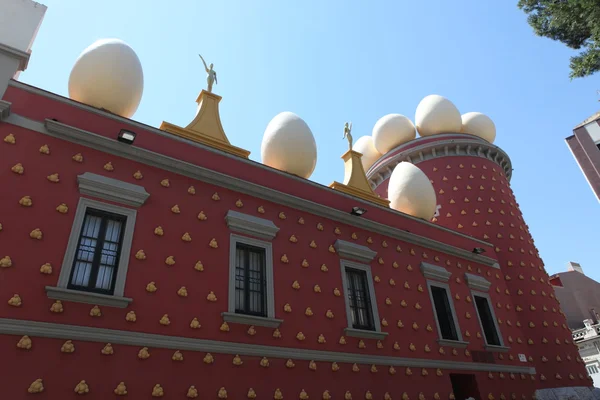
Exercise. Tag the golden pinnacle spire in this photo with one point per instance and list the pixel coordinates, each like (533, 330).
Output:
(355, 180)
(206, 127)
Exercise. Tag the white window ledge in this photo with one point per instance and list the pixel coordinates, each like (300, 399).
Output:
(244, 319)
(361, 333)
(452, 343)
(79, 296)
(111, 189)
(251, 225)
(497, 349)
(477, 282)
(431, 271)
(354, 251)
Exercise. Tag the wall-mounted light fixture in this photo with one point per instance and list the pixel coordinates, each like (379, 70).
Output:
(126, 136)
(359, 212)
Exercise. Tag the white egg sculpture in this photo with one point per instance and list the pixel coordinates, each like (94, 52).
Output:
(392, 130)
(365, 146)
(411, 192)
(479, 124)
(289, 145)
(108, 74)
(436, 114)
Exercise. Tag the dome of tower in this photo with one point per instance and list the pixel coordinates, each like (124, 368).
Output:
(411, 192)
(479, 124)
(436, 114)
(108, 74)
(289, 145)
(366, 147)
(392, 130)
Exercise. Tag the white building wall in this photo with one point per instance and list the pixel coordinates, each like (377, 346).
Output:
(20, 21)
(588, 341)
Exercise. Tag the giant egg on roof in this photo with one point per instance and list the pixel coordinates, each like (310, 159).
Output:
(364, 145)
(436, 114)
(289, 145)
(411, 192)
(108, 74)
(479, 124)
(392, 130)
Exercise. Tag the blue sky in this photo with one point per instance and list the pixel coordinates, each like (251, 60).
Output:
(332, 61)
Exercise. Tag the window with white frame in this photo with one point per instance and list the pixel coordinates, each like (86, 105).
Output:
(359, 291)
(487, 320)
(445, 316)
(94, 268)
(443, 305)
(361, 303)
(98, 251)
(592, 369)
(251, 288)
(359, 299)
(250, 280)
(485, 312)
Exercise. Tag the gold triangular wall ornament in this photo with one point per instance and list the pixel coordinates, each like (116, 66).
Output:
(206, 127)
(355, 179)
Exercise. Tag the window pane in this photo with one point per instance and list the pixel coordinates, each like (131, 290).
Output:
(91, 226)
(487, 321)
(81, 273)
(109, 254)
(240, 304)
(359, 299)
(113, 231)
(104, 279)
(255, 281)
(86, 250)
(250, 280)
(444, 313)
(97, 255)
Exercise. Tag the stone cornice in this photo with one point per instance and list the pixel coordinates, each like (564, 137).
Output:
(101, 143)
(435, 272)
(461, 145)
(354, 251)
(131, 338)
(251, 225)
(476, 282)
(22, 56)
(106, 188)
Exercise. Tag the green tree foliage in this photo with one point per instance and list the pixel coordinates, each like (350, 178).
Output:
(576, 23)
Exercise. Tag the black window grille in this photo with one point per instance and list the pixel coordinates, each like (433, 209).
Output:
(359, 299)
(487, 321)
(443, 312)
(98, 252)
(250, 280)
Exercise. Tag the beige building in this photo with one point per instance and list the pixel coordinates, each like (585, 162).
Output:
(579, 297)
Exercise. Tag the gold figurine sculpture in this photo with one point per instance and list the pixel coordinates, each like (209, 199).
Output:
(211, 75)
(348, 134)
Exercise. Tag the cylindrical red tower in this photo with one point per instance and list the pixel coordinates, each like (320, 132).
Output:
(471, 179)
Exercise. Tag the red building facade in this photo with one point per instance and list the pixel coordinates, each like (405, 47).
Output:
(471, 179)
(147, 263)
(184, 215)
